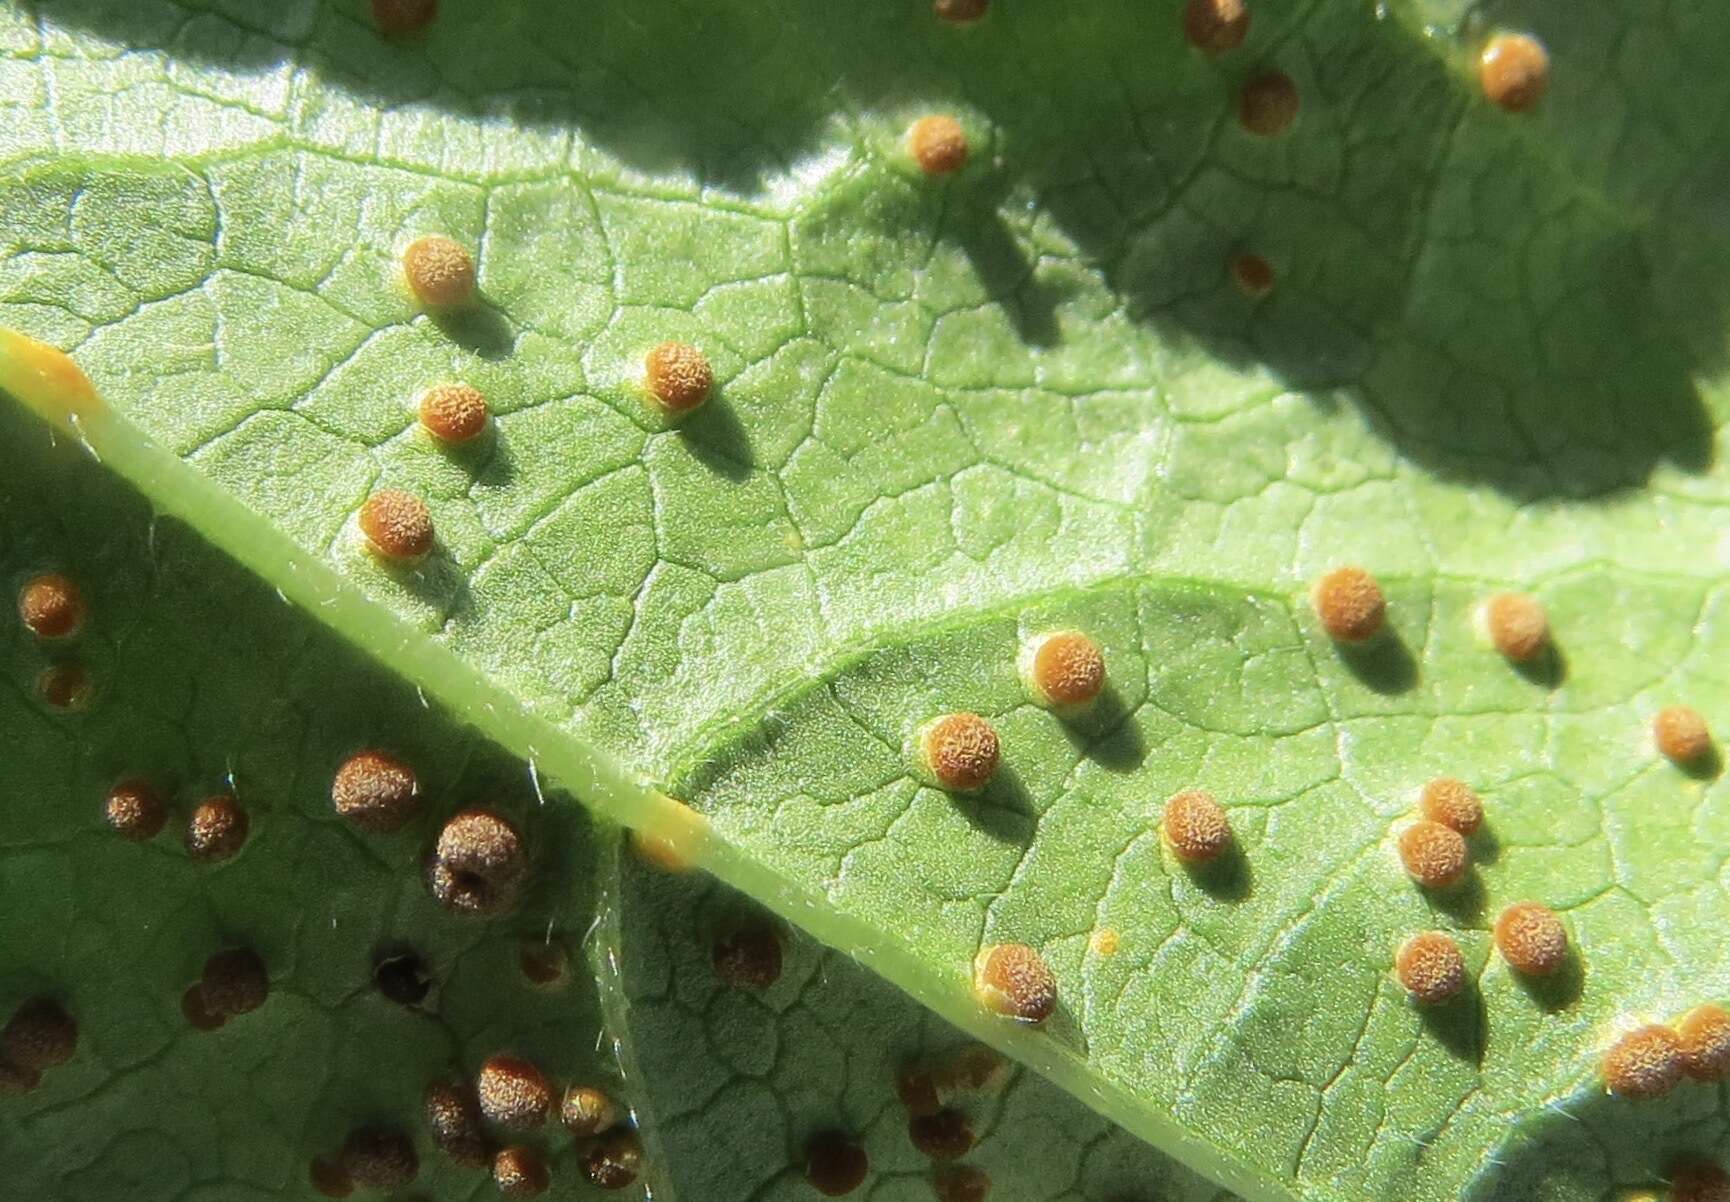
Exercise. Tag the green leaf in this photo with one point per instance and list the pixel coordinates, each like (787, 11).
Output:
(202, 681)
(954, 413)
(758, 1071)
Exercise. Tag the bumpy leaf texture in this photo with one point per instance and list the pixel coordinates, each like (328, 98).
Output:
(1475, 351)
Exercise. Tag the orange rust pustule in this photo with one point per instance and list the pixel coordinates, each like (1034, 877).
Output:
(478, 865)
(1350, 604)
(586, 1111)
(835, 1164)
(328, 1178)
(960, 750)
(440, 272)
(375, 791)
(39, 1036)
(545, 963)
(216, 829)
(513, 1093)
(1195, 826)
(197, 1011)
(454, 413)
(403, 977)
(398, 525)
(51, 606)
(1514, 71)
(960, 12)
(379, 1159)
(1453, 803)
(453, 1118)
(945, 1135)
(748, 956)
(917, 1088)
(615, 1160)
(397, 17)
(1215, 26)
(234, 982)
(135, 810)
(1644, 1063)
(678, 376)
(1268, 104)
(1252, 274)
(1699, 1181)
(520, 1172)
(961, 1183)
(1518, 625)
(938, 144)
(1014, 980)
(1681, 733)
(1531, 939)
(1430, 967)
(17, 1080)
(1068, 669)
(64, 685)
(1705, 1035)
(1434, 855)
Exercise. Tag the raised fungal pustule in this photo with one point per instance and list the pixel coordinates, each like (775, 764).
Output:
(217, 828)
(614, 1160)
(1268, 104)
(454, 1121)
(1014, 980)
(1518, 626)
(51, 606)
(938, 144)
(439, 271)
(375, 791)
(1350, 604)
(395, 18)
(1453, 803)
(1531, 939)
(1216, 26)
(1063, 669)
(1195, 826)
(1699, 1181)
(403, 977)
(959, 751)
(748, 955)
(234, 982)
(1434, 855)
(513, 1092)
(135, 810)
(677, 377)
(1681, 734)
(1430, 967)
(40, 1035)
(520, 1172)
(453, 413)
(1644, 1063)
(835, 1164)
(398, 525)
(379, 1158)
(1704, 1033)
(1514, 71)
(478, 864)
(586, 1111)
(944, 1134)
(1252, 274)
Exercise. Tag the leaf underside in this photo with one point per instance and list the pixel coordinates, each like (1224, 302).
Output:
(953, 414)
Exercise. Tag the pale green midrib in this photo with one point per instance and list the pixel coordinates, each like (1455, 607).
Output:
(606, 961)
(600, 782)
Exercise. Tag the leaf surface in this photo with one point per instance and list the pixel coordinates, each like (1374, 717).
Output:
(954, 413)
